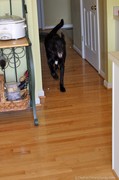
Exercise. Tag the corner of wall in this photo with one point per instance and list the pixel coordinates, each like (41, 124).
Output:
(37, 99)
(107, 84)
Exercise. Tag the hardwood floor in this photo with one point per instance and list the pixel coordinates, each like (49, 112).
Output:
(73, 141)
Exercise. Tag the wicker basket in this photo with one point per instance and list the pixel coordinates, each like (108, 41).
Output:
(1, 77)
(15, 105)
(2, 96)
(12, 105)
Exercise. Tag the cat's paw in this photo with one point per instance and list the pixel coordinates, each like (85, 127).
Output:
(62, 88)
(55, 76)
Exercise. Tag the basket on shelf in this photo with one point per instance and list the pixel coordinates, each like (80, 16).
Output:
(15, 105)
(2, 96)
(5, 105)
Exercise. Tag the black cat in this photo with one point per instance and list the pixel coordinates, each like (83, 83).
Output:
(55, 46)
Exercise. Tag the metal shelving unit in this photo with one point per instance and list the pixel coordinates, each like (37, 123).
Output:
(23, 46)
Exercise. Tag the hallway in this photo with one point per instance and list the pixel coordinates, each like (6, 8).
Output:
(78, 122)
(73, 139)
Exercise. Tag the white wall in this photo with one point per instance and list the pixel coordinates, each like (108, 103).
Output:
(54, 10)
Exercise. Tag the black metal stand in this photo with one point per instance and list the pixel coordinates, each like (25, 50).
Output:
(30, 66)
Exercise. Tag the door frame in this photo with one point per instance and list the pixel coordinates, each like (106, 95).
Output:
(98, 32)
(40, 7)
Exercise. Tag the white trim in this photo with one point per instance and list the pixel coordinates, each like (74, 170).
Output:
(102, 73)
(41, 93)
(40, 13)
(66, 26)
(113, 144)
(98, 31)
(107, 85)
(77, 49)
(82, 28)
(37, 101)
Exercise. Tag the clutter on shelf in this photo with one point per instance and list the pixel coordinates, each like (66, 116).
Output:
(13, 98)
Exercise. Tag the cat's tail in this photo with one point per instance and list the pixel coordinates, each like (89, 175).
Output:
(57, 27)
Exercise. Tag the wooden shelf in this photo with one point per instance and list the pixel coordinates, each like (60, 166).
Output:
(14, 43)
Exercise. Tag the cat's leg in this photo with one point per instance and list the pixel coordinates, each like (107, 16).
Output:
(52, 70)
(62, 88)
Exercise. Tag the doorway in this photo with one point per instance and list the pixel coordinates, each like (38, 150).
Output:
(90, 38)
(51, 12)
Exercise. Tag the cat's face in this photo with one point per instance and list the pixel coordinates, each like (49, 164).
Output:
(60, 47)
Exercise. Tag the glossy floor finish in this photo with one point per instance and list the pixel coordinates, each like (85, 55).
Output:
(73, 140)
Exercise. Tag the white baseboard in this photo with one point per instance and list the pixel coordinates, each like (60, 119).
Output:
(37, 101)
(77, 50)
(102, 74)
(107, 85)
(40, 94)
(66, 26)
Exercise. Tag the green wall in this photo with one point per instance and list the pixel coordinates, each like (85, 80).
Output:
(34, 36)
(112, 33)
